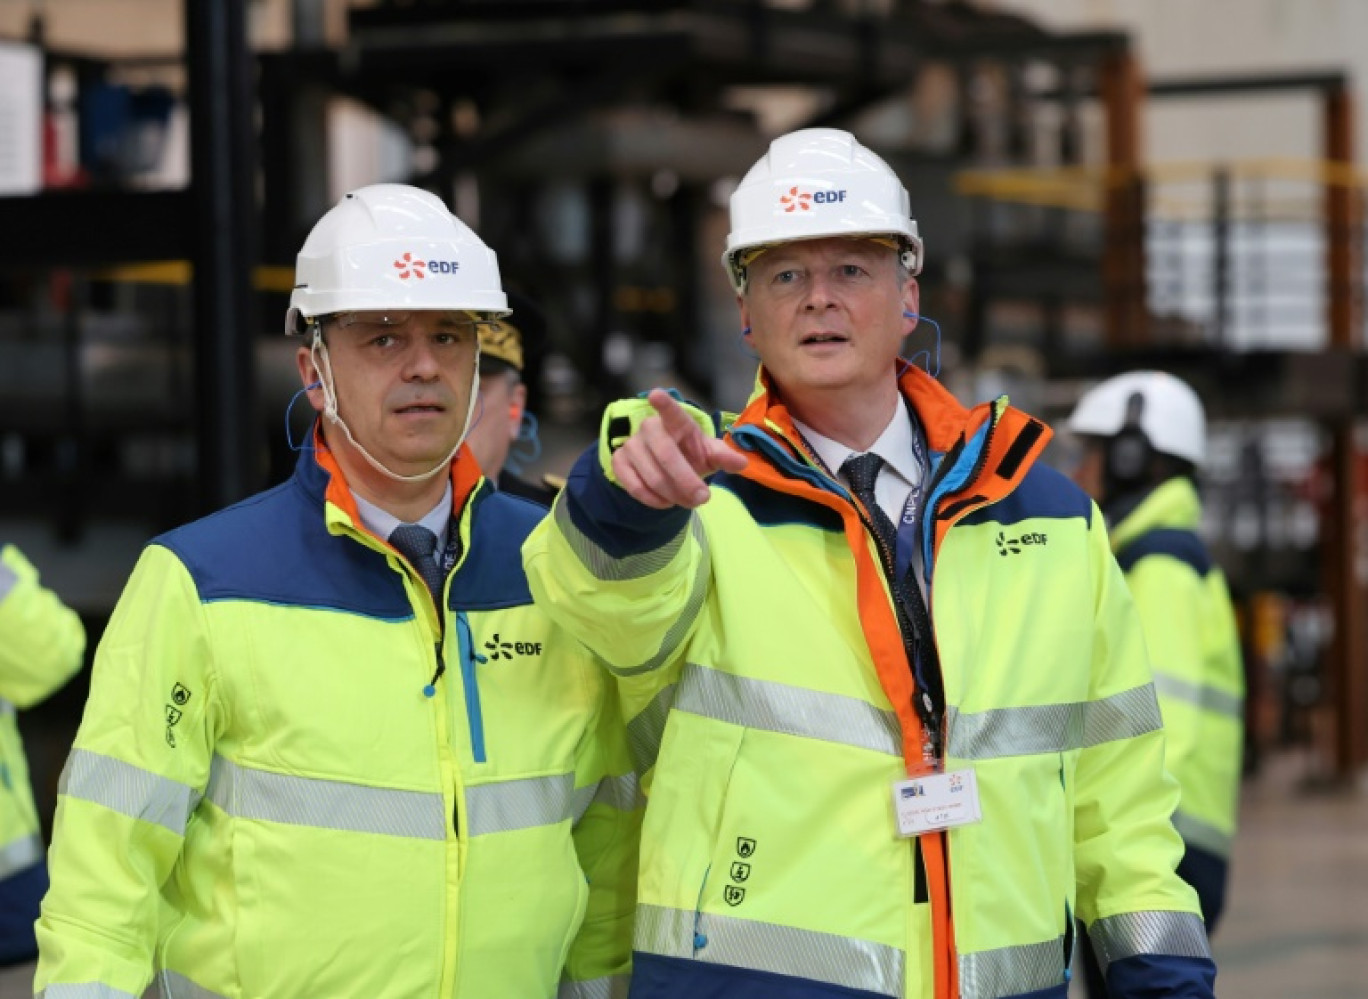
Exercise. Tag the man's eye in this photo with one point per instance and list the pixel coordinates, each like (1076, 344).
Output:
(851, 270)
(786, 277)
(383, 340)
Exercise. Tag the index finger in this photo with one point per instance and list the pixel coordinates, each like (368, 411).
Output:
(672, 416)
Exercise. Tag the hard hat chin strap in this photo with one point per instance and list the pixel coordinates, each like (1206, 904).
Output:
(318, 354)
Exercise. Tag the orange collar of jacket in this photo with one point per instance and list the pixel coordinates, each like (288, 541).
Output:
(465, 477)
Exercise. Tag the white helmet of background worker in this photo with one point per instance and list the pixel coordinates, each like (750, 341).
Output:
(391, 248)
(813, 184)
(1156, 404)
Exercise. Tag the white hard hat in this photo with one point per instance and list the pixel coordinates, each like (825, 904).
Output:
(391, 246)
(816, 183)
(1162, 407)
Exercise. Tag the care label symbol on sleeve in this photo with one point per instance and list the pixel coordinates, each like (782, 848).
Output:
(744, 847)
(173, 715)
(739, 871)
(733, 895)
(179, 694)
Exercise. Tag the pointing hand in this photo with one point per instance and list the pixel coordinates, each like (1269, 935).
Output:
(665, 462)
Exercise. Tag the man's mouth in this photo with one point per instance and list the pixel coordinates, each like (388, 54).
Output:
(825, 338)
(421, 407)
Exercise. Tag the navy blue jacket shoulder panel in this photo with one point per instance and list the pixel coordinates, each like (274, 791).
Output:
(274, 547)
(1043, 493)
(770, 508)
(1175, 542)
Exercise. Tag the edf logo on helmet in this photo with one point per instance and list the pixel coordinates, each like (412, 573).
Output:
(797, 200)
(409, 267)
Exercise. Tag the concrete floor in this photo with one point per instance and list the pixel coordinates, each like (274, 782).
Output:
(1296, 922)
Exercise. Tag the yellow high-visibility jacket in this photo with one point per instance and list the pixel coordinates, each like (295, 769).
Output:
(770, 710)
(1194, 645)
(264, 802)
(42, 644)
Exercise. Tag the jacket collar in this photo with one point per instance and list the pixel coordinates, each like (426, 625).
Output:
(320, 476)
(979, 455)
(1173, 503)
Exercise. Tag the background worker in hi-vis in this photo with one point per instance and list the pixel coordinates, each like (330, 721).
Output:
(1145, 435)
(503, 421)
(42, 645)
(885, 685)
(332, 748)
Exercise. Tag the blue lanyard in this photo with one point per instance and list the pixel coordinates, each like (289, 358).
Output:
(909, 524)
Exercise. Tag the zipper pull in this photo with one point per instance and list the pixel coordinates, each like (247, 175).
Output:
(431, 689)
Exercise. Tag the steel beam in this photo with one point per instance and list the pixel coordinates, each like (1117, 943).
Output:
(223, 167)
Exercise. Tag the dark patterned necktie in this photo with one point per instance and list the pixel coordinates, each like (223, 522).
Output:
(862, 470)
(419, 545)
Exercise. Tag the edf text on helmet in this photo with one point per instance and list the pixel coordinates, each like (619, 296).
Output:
(828, 197)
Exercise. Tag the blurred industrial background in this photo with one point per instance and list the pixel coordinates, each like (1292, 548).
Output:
(1101, 184)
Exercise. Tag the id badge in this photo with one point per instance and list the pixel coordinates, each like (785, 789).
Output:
(936, 801)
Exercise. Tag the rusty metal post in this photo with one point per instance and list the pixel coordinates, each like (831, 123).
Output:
(1348, 589)
(1122, 89)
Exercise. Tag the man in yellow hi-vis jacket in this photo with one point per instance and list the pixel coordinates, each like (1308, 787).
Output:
(42, 644)
(332, 748)
(1146, 438)
(882, 677)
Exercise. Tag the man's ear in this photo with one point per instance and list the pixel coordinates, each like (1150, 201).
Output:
(911, 298)
(517, 405)
(309, 377)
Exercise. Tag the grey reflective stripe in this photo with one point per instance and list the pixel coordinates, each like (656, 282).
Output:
(6, 708)
(1203, 834)
(1010, 971)
(245, 793)
(1051, 728)
(1178, 934)
(7, 580)
(780, 950)
(20, 854)
(1203, 697)
(614, 987)
(604, 566)
(519, 804)
(698, 593)
(647, 729)
(622, 793)
(85, 990)
(174, 985)
(129, 790)
(778, 707)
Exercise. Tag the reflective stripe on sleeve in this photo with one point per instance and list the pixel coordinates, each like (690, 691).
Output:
(778, 707)
(506, 805)
(84, 990)
(1203, 835)
(1052, 728)
(1010, 971)
(647, 729)
(613, 570)
(174, 985)
(780, 950)
(1178, 934)
(614, 987)
(604, 566)
(1199, 696)
(20, 854)
(246, 793)
(7, 580)
(126, 789)
(621, 793)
